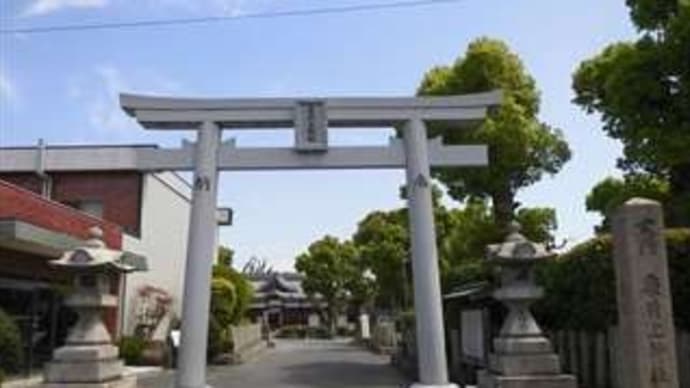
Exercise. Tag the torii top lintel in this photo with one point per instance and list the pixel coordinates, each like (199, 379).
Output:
(188, 113)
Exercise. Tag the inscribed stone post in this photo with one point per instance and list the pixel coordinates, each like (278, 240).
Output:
(645, 314)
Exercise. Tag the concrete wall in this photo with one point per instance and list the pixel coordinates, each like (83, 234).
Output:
(163, 240)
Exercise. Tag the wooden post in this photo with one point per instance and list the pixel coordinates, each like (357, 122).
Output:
(645, 317)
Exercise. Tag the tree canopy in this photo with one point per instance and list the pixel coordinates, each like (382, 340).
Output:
(473, 228)
(521, 148)
(641, 89)
(610, 193)
(383, 243)
(331, 270)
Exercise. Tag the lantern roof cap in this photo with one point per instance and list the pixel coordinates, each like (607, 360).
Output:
(517, 248)
(94, 255)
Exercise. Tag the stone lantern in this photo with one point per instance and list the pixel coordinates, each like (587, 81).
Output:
(89, 359)
(522, 356)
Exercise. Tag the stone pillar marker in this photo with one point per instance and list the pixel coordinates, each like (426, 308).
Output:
(645, 315)
(523, 357)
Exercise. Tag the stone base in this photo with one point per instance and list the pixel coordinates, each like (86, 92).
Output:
(527, 381)
(528, 345)
(124, 382)
(525, 364)
(83, 372)
(94, 364)
(420, 385)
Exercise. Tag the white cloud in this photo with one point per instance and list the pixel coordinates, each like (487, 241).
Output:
(7, 90)
(225, 7)
(212, 7)
(99, 92)
(42, 7)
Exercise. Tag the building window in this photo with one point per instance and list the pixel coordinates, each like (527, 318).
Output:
(92, 207)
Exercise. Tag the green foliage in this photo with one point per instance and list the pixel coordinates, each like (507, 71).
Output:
(641, 90)
(243, 290)
(223, 299)
(132, 349)
(581, 290)
(473, 228)
(331, 268)
(11, 350)
(653, 14)
(383, 243)
(292, 331)
(231, 294)
(521, 148)
(225, 256)
(610, 193)
(382, 239)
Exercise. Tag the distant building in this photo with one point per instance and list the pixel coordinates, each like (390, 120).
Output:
(280, 300)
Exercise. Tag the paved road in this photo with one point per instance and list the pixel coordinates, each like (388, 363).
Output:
(302, 364)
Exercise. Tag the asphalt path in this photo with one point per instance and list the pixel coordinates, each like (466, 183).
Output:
(301, 364)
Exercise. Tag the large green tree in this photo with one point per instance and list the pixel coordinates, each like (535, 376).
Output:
(641, 89)
(383, 242)
(382, 239)
(521, 148)
(329, 267)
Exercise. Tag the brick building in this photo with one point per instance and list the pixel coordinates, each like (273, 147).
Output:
(142, 212)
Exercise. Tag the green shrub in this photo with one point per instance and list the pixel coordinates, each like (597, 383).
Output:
(243, 291)
(11, 351)
(321, 332)
(580, 285)
(222, 314)
(132, 349)
(292, 331)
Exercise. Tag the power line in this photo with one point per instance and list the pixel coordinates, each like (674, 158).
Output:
(214, 19)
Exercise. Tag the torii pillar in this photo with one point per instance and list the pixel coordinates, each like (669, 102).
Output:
(200, 253)
(431, 344)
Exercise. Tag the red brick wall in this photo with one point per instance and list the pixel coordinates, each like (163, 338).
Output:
(21, 204)
(119, 191)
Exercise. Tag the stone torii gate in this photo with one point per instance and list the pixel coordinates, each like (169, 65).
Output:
(310, 119)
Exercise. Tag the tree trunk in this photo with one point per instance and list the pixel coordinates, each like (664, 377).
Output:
(503, 204)
(332, 317)
(678, 213)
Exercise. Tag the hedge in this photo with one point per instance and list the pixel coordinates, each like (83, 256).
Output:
(581, 290)
(11, 351)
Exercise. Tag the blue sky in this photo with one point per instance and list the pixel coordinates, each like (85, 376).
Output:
(63, 87)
